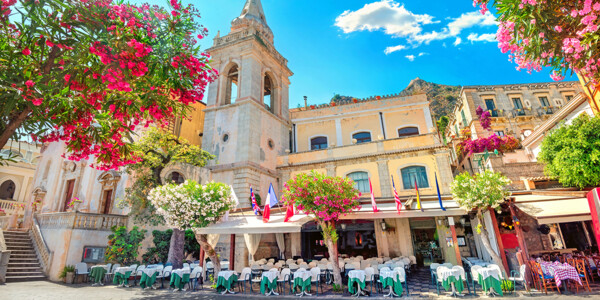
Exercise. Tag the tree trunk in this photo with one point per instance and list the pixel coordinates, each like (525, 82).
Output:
(210, 252)
(487, 245)
(13, 124)
(176, 249)
(333, 252)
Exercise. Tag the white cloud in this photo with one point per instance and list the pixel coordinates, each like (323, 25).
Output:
(423, 53)
(393, 49)
(410, 57)
(457, 41)
(486, 37)
(470, 19)
(386, 15)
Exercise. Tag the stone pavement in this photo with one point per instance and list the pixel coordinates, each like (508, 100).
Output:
(54, 291)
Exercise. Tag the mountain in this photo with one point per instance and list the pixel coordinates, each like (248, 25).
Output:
(442, 97)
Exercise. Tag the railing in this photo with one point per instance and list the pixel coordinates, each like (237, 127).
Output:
(41, 248)
(78, 220)
(9, 206)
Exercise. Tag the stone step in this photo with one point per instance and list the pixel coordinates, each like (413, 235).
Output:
(19, 278)
(23, 256)
(32, 260)
(37, 271)
(17, 238)
(16, 265)
(28, 251)
(10, 270)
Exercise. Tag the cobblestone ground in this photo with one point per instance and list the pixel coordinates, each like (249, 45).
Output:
(419, 284)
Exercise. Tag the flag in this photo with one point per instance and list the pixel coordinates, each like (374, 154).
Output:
(254, 205)
(289, 213)
(418, 199)
(271, 201)
(236, 203)
(396, 197)
(373, 198)
(438, 191)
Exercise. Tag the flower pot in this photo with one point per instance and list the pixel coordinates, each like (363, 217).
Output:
(355, 100)
(70, 277)
(312, 107)
(332, 103)
(378, 97)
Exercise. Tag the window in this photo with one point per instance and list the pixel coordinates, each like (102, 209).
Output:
(545, 105)
(362, 137)
(456, 130)
(464, 119)
(225, 138)
(7, 190)
(417, 174)
(231, 87)
(268, 95)
(318, 143)
(491, 106)
(408, 131)
(569, 97)
(93, 254)
(176, 177)
(518, 106)
(500, 133)
(270, 144)
(361, 181)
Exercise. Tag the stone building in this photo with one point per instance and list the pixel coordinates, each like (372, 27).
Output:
(16, 176)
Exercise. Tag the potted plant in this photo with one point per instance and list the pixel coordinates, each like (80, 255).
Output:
(67, 274)
(332, 103)
(73, 204)
(354, 100)
(312, 107)
(378, 97)
(36, 204)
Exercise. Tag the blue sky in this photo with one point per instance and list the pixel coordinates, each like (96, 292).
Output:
(340, 46)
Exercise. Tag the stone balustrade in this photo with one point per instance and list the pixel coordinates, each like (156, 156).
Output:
(4, 222)
(41, 248)
(79, 220)
(9, 206)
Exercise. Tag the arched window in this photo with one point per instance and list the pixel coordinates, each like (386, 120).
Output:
(319, 142)
(7, 190)
(408, 131)
(417, 174)
(361, 181)
(362, 137)
(9, 154)
(269, 94)
(231, 85)
(176, 178)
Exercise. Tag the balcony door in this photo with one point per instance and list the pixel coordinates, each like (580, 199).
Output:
(491, 106)
(68, 193)
(518, 106)
(107, 202)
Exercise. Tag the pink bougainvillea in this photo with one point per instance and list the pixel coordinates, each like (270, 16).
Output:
(493, 142)
(484, 118)
(560, 34)
(101, 69)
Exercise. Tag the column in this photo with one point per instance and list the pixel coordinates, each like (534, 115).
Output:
(338, 133)
(454, 240)
(232, 252)
(330, 170)
(404, 236)
(498, 239)
(384, 178)
(381, 239)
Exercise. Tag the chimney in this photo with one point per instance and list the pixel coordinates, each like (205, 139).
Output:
(305, 101)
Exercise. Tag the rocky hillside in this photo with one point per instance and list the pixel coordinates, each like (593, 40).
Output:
(442, 97)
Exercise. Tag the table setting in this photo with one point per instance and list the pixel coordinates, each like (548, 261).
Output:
(149, 277)
(179, 278)
(391, 279)
(302, 280)
(451, 278)
(97, 274)
(226, 281)
(122, 275)
(268, 283)
(489, 279)
(356, 277)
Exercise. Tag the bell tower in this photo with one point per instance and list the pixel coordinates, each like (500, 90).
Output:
(247, 122)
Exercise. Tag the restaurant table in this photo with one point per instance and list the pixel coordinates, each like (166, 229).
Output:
(122, 275)
(269, 283)
(97, 273)
(561, 272)
(391, 279)
(149, 277)
(226, 280)
(451, 278)
(302, 280)
(179, 278)
(356, 277)
(489, 279)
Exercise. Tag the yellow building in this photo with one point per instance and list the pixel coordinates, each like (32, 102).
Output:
(16, 176)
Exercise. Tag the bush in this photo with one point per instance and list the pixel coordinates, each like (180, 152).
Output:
(65, 270)
(123, 246)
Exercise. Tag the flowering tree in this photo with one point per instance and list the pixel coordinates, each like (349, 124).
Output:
(157, 150)
(326, 199)
(561, 34)
(191, 205)
(571, 152)
(478, 193)
(123, 245)
(89, 72)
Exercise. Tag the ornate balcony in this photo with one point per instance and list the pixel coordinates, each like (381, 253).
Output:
(79, 220)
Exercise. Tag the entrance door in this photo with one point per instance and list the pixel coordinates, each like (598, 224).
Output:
(107, 202)
(68, 193)
(425, 241)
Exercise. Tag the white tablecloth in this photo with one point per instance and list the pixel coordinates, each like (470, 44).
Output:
(446, 273)
(123, 270)
(150, 271)
(358, 274)
(302, 274)
(180, 272)
(487, 272)
(270, 275)
(388, 274)
(225, 274)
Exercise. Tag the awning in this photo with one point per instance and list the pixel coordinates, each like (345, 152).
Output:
(388, 211)
(250, 224)
(554, 209)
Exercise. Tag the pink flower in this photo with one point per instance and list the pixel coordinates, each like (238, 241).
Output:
(49, 43)
(558, 28)
(67, 77)
(29, 83)
(26, 51)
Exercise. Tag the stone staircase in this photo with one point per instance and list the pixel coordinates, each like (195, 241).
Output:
(23, 264)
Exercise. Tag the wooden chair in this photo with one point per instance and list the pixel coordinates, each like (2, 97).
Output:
(580, 266)
(534, 276)
(547, 281)
(591, 267)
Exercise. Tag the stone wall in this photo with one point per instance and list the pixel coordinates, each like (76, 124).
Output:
(534, 240)
(514, 171)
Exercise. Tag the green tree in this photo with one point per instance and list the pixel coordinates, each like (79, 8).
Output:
(157, 150)
(479, 193)
(89, 73)
(192, 206)
(326, 199)
(572, 152)
(442, 123)
(123, 246)
(162, 241)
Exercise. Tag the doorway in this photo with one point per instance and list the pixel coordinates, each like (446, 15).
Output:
(68, 193)
(425, 241)
(356, 237)
(107, 202)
